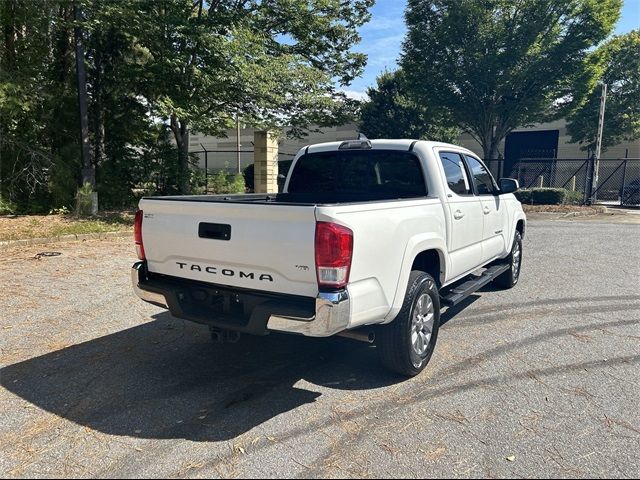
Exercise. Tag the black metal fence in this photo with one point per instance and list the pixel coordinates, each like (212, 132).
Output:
(210, 162)
(618, 179)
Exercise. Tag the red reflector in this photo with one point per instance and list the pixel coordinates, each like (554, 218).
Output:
(137, 235)
(334, 249)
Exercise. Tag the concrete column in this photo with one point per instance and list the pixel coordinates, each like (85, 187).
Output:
(265, 162)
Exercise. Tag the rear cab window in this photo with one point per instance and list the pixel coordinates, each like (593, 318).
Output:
(371, 174)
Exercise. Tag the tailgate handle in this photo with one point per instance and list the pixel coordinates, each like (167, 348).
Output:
(215, 231)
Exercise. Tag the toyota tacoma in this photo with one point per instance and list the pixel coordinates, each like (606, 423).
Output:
(368, 239)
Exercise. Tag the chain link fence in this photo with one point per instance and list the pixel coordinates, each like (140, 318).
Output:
(618, 179)
(208, 163)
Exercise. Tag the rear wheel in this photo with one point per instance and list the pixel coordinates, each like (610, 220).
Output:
(406, 344)
(510, 277)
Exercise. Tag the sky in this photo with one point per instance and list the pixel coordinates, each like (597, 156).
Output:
(382, 38)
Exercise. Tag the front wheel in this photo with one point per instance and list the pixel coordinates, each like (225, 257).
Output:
(406, 344)
(510, 277)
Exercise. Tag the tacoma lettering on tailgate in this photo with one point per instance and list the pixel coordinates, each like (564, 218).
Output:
(227, 272)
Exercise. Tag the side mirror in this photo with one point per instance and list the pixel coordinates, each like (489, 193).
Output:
(508, 185)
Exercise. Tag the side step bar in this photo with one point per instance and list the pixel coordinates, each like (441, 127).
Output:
(462, 291)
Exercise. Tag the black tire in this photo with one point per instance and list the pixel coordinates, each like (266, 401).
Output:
(510, 278)
(396, 340)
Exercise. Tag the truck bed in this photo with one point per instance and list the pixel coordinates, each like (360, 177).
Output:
(301, 199)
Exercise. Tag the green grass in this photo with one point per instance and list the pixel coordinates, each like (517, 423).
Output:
(45, 226)
(86, 226)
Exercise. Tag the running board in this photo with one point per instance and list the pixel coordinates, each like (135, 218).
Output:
(462, 291)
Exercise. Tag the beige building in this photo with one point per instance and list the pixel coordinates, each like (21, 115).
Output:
(222, 151)
(563, 147)
(544, 140)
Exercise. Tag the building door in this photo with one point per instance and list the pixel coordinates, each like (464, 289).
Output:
(534, 144)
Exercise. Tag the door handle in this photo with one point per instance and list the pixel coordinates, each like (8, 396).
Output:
(487, 210)
(458, 214)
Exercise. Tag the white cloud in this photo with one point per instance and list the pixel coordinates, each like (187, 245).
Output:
(356, 95)
(383, 51)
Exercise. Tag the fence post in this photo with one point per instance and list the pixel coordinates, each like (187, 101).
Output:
(265, 163)
(519, 169)
(573, 183)
(589, 181)
(624, 179)
(206, 170)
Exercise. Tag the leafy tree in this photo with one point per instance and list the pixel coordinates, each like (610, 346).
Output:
(123, 133)
(620, 61)
(499, 64)
(390, 113)
(273, 62)
(37, 102)
(156, 68)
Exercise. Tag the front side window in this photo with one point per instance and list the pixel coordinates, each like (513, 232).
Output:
(482, 179)
(455, 174)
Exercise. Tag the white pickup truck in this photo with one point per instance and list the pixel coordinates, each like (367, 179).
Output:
(368, 240)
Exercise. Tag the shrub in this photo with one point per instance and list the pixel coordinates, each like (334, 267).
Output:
(523, 195)
(223, 182)
(574, 197)
(59, 211)
(548, 196)
(85, 200)
(198, 182)
(7, 207)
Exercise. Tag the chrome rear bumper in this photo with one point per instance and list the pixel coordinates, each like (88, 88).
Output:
(332, 310)
(332, 316)
(151, 297)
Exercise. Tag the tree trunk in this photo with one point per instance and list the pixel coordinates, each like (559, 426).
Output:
(98, 106)
(10, 37)
(180, 131)
(88, 168)
(490, 142)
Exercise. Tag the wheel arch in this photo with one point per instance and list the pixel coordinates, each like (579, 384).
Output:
(520, 221)
(426, 253)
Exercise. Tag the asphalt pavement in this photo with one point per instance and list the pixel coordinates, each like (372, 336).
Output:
(539, 381)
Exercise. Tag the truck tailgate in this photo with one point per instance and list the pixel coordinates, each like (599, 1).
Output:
(253, 246)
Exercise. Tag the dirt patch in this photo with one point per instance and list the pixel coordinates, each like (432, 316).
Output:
(578, 213)
(18, 227)
(580, 209)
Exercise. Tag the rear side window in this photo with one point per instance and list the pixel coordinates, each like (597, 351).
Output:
(455, 173)
(371, 173)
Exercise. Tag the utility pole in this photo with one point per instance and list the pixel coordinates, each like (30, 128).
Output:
(238, 141)
(596, 160)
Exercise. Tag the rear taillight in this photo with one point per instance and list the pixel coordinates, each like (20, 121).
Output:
(137, 235)
(334, 249)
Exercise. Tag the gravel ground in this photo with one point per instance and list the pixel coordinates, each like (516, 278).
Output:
(539, 381)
